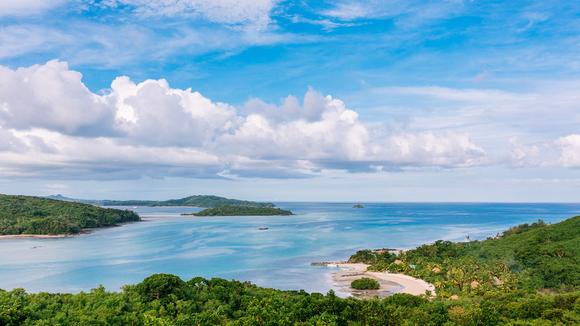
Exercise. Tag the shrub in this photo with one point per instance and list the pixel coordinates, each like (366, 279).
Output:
(365, 283)
(158, 286)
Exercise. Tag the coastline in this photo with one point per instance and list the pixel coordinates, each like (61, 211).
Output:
(391, 283)
(37, 236)
(64, 235)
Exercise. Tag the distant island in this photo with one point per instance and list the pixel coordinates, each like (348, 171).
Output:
(358, 206)
(26, 215)
(241, 211)
(205, 201)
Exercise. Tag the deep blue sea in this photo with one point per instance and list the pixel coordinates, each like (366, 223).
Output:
(234, 248)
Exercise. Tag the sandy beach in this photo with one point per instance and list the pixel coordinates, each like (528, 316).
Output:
(36, 236)
(47, 236)
(391, 283)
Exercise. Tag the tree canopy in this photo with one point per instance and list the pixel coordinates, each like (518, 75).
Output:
(35, 215)
(365, 283)
(242, 211)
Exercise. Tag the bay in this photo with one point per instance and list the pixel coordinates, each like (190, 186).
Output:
(236, 247)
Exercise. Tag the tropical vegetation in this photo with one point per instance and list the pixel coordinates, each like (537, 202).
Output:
(365, 283)
(35, 215)
(241, 211)
(530, 257)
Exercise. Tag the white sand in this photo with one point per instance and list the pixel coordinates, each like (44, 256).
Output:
(35, 236)
(390, 282)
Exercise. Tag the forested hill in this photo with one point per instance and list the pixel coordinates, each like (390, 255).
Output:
(35, 215)
(532, 257)
(205, 201)
(242, 211)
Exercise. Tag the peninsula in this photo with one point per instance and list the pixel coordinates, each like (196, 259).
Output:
(523, 259)
(241, 211)
(22, 216)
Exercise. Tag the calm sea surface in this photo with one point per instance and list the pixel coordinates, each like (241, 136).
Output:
(234, 248)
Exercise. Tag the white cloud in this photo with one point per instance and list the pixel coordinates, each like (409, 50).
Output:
(442, 149)
(521, 126)
(252, 13)
(149, 128)
(51, 96)
(8, 141)
(178, 117)
(570, 150)
(406, 13)
(94, 43)
(26, 7)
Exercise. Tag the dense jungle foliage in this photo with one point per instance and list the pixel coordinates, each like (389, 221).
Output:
(530, 256)
(35, 215)
(527, 276)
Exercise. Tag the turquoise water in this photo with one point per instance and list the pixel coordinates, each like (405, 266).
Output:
(234, 248)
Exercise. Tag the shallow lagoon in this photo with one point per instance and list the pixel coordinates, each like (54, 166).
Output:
(234, 248)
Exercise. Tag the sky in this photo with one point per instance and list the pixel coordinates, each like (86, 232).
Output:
(451, 100)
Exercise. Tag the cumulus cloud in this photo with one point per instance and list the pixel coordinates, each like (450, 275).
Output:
(52, 124)
(443, 149)
(53, 97)
(570, 150)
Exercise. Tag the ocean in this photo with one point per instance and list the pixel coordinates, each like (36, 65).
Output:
(272, 251)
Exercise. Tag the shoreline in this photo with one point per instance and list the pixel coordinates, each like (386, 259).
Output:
(64, 235)
(391, 283)
(38, 236)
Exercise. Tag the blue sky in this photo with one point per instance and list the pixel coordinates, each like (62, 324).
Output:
(291, 100)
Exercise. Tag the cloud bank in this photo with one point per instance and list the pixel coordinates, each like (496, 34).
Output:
(51, 124)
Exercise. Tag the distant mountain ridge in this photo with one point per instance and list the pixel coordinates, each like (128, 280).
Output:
(204, 201)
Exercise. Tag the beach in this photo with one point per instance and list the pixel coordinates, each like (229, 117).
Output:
(36, 236)
(390, 283)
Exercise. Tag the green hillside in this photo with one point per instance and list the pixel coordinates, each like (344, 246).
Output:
(534, 257)
(35, 215)
(241, 211)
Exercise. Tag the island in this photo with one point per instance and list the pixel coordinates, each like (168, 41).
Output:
(35, 216)
(528, 275)
(205, 201)
(358, 206)
(241, 211)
